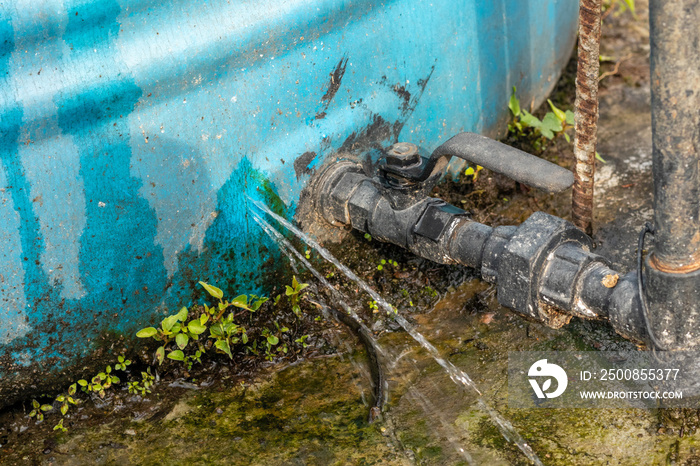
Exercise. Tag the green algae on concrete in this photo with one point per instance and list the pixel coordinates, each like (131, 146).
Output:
(311, 413)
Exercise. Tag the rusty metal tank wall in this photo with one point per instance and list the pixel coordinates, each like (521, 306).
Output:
(132, 132)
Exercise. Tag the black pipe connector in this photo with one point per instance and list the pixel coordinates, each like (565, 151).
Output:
(543, 269)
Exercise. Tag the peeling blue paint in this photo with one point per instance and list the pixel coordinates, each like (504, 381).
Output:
(132, 133)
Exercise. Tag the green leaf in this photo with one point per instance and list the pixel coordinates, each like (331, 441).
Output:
(240, 301)
(598, 157)
(550, 125)
(35, 404)
(273, 340)
(195, 327)
(568, 139)
(216, 331)
(115, 379)
(64, 409)
(146, 332)
(530, 120)
(82, 382)
(46, 407)
(182, 314)
(289, 291)
(60, 398)
(160, 354)
(177, 355)
(561, 116)
(630, 4)
(169, 322)
(224, 346)
(514, 104)
(569, 117)
(244, 338)
(212, 290)
(259, 302)
(295, 283)
(181, 340)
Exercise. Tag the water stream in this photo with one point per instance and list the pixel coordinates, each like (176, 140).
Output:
(457, 375)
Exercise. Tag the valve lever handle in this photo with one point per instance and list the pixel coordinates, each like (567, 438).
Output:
(488, 153)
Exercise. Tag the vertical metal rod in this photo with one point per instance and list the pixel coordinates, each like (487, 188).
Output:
(675, 111)
(586, 113)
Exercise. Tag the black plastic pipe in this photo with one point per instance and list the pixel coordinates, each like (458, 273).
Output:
(671, 283)
(543, 269)
(675, 111)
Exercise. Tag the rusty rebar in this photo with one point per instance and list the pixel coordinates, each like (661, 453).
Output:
(586, 113)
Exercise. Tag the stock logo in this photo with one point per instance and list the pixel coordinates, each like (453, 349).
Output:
(542, 369)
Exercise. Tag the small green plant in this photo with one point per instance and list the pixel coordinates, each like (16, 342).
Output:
(186, 338)
(620, 5)
(60, 427)
(226, 334)
(555, 123)
(173, 328)
(384, 262)
(368, 237)
(302, 341)
(272, 341)
(221, 327)
(218, 323)
(473, 172)
(99, 383)
(142, 386)
(294, 293)
(122, 363)
(39, 410)
(373, 306)
(67, 399)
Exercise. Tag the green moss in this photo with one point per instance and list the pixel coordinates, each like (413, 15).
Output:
(285, 419)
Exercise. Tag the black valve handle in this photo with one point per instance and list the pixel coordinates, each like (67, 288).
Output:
(488, 153)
